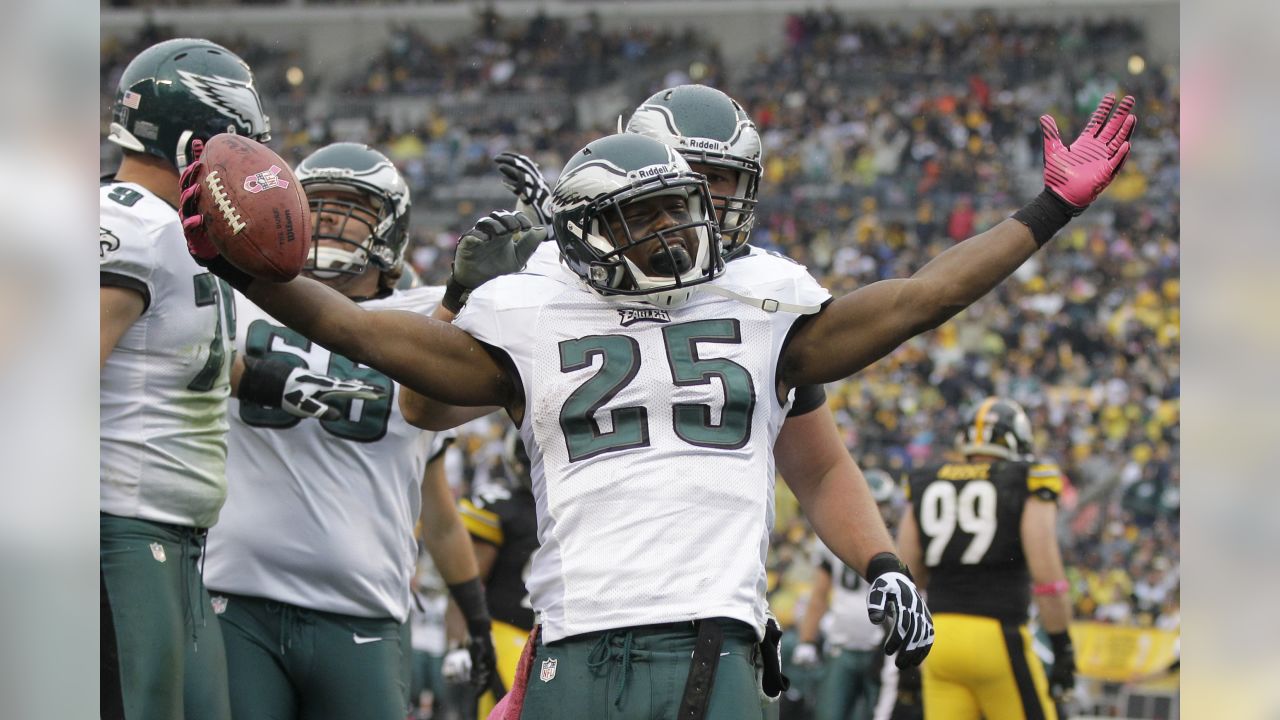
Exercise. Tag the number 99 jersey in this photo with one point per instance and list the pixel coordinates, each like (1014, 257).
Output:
(969, 517)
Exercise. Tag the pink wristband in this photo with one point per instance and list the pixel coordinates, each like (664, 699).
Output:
(1056, 587)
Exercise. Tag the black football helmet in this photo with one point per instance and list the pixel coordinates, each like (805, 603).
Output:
(998, 427)
(709, 127)
(372, 194)
(182, 90)
(595, 185)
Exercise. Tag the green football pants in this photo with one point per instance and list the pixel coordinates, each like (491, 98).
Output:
(161, 655)
(850, 686)
(639, 673)
(289, 663)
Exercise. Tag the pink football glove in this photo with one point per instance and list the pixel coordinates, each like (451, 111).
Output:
(198, 243)
(1078, 174)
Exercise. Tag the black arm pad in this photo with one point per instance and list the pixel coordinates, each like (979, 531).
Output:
(263, 381)
(470, 598)
(223, 268)
(884, 563)
(1045, 216)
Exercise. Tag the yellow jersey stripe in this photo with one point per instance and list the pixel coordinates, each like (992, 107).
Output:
(1052, 483)
(980, 419)
(483, 524)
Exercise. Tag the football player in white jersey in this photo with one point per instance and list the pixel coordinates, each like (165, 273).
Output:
(649, 395)
(311, 563)
(167, 366)
(166, 350)
(716, 136)
(838, 606)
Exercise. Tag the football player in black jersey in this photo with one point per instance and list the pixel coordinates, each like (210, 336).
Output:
(504, 531)
(981, 536)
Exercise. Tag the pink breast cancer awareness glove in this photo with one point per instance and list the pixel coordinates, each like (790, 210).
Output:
(1078, 174)
(198, 243)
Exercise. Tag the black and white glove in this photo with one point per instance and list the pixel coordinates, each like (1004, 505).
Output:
(1062, 676)
(308, 395)
(524, 179)
(499, 244)
(297, 390)
(894, 597)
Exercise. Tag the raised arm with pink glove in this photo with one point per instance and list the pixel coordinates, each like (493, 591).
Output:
(1075, 175)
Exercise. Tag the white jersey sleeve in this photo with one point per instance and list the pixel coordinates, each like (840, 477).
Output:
(770, 275)
(546, 260)
(650, 436)
(321, 514)
(163, 389)
(127, 251)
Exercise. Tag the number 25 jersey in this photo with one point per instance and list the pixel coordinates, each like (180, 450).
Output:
(650, 434)
(969, 517)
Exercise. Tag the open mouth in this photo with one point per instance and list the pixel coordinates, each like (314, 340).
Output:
(672, 260)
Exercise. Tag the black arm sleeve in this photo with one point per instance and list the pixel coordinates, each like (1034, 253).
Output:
(110, 279)
(808, 399)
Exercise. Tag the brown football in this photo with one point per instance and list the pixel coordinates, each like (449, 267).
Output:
(254, 208)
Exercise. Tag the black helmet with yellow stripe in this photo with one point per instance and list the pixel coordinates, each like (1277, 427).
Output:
(998, 427)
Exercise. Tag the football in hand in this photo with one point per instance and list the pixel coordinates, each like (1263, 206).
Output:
(254, 209)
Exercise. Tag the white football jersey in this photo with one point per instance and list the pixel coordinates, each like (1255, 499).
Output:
(846, 624)
(650, 434)
(163, 398)
(545, 260)
(320, 513)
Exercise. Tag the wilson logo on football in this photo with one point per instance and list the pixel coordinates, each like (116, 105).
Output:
(229, 212)
(265, 180)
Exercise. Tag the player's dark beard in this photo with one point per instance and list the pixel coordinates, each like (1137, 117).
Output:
(672, 260)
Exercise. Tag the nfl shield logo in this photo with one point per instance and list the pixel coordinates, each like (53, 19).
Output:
(548, 670)
(219, 603)
(157, 552)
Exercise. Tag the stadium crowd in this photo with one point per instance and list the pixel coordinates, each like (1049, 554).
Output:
(884, 144)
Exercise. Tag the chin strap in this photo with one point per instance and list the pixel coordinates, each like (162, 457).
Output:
(768, 305)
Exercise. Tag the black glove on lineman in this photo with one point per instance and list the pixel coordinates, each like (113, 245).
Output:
(1062, 677)
(470, 598)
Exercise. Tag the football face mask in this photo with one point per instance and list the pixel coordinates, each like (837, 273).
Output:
(359, 210)
(632, 220)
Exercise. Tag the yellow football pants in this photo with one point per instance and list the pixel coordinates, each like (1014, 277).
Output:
(979, 668)
(508, 643)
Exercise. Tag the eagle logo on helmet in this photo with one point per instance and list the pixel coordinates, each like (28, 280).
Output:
(229, 97)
